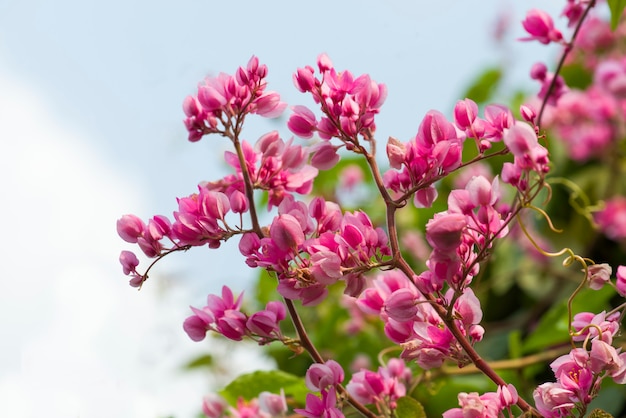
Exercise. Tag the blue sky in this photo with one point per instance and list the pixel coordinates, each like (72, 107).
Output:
(90, 124)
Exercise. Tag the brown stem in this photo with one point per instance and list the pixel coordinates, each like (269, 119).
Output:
(308, 345)
(566, 51)
(248, 187)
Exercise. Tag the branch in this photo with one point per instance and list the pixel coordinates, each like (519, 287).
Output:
(308, 345)
(566, 51)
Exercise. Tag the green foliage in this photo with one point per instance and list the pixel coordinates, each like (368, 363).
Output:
(576, 76)
(484, 85)
(409, 408)
(205, 360)
(442, 393)
(617, 8)
(250, 385)
(553, 326)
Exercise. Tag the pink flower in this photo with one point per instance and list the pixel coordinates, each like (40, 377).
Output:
(370, 387)
(129, 261)
(482, 192)
(396, 151)
(286, 232)
(265, 323)
(247, 409)
(465, 113)
(130, 227)
(269, 105)
(573, 371)
(620, 282)
(401, 305)
(425, 197)
(321, 376)
(586, 324)
(443, 232)
(476, 406)
(604, 357)
(598, 275)
(521, 139)
(325, 156)
(508, 395)
(553, 401)
(273, 404)
(221, 315)
(612, 219)
(540, 26)
(302, 122)
(214, 406)
(326, 407)
(304, 79)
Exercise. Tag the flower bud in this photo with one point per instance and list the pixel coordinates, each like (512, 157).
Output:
(443, 232)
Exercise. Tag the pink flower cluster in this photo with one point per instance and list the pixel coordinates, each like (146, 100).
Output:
(579, 374)
(200, 220)
(281, 168)
(578, 378)
(266, 405)
(597, 42)
(349, 104)
(488, 405)
(540, 72)
(529, 156)
(381, 388)
(437, 148)
(611, 219)
(312, 247)
(461, 234)
(323, 378)
(585, 122)
(222, 99)
(223, 315)
(412, 322)
(588, 121)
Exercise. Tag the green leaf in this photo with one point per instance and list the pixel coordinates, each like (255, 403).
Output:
(515, 344)
(249, 386)
(199, 362)
(484, 85)
(617, 8)
(553, 327)
(409, 408)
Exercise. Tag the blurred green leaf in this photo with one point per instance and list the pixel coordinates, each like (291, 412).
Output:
(265, 289)
(483, 87)
(440, 395)
(576, 76)
(249, 386)
(205, 360)
(409, 408)
(617, 8)
(515, 344)
(553, 327)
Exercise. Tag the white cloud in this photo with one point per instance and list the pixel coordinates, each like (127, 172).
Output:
(78, 341)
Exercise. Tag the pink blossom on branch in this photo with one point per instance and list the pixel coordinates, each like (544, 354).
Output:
(540, 27)
(611, 219)
(349, 104)
(227, 97)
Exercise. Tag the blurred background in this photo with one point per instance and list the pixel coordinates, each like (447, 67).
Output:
(91, 129)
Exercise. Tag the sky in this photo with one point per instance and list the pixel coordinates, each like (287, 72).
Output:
(90, 129)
